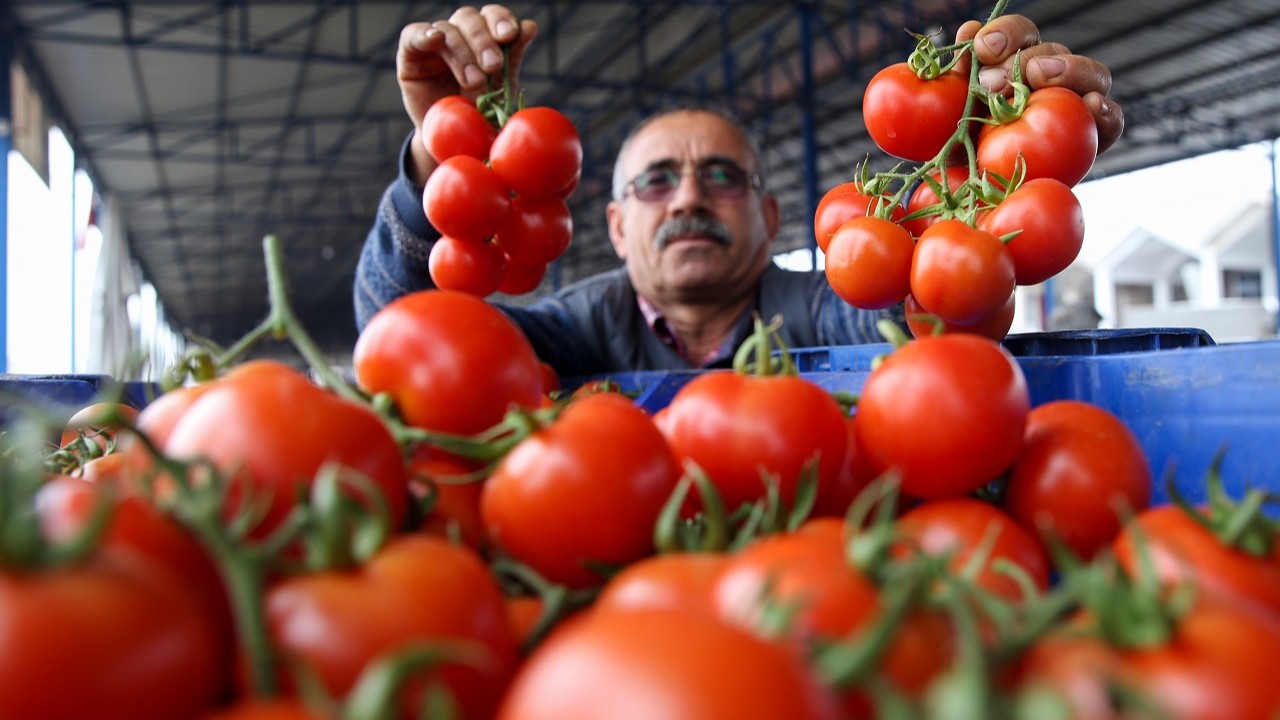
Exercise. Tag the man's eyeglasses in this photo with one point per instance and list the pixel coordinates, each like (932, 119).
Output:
(719, 180)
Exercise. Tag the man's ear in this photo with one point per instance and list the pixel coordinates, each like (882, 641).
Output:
(615, 215)
(772, 214)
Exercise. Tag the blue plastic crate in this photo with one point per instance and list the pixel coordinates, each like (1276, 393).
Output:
(64, 394)
(1185, 402)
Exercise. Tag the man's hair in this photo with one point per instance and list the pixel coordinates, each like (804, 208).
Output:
(620, 179)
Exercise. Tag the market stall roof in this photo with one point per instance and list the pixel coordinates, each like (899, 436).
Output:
(215, 122)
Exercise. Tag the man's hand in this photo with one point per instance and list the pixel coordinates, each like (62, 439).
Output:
(458, 56)
(1043, 65)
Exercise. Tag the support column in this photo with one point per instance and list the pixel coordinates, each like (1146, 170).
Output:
(6, 144)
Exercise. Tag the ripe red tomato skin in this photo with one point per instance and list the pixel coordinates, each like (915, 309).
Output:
(671, 581)
(912, 118)
(271, 424)
(520, 278)
(586, 489)
(452, 362)
(1056, 136)
(88, 420)
(924, 196)
(454, 126)
(1077, 460)
(841, 204)
(994, 326)
(732, 425)
(416, 589)
(537, 153)
(947, 411)
(960, 273)
(868, 262)
(135, 641)
(662, 664)
(1183, 550)
(475, 268)
(536, 230)
(463, 198)
(1051, 222)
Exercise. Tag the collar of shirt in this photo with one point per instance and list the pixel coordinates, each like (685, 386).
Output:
(659, 326)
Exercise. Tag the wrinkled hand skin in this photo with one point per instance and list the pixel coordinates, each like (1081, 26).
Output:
(1044, 64)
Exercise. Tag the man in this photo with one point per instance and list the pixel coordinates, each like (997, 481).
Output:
(691, 216)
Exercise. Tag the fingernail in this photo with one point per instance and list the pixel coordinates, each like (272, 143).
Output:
(1051, 67)
(504, 28)
(490, 58)
(472, 75)
(996, 42)
(993, 78)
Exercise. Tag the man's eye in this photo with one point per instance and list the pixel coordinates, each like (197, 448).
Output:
(653, 179)
(722, 175)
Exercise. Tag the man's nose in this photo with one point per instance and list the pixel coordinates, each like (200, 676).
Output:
(688, 193)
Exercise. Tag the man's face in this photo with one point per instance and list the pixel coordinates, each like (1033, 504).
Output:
(692, 225)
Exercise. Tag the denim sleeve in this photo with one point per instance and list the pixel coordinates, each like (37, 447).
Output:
(839, 323)
(393, 261)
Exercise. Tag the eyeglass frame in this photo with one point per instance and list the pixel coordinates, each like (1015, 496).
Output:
(753, 180)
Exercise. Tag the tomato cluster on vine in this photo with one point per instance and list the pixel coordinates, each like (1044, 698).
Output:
(989, 207)
(498, 196)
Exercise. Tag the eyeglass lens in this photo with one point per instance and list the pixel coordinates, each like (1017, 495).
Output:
(717, 180)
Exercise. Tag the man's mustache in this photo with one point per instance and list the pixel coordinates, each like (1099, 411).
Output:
(695, 225)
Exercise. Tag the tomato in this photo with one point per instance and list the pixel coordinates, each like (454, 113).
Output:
(537, 153)
(468, 266)
(662, 664)
(840, 204)
(537, 230)
(960, 273)
(1217, 664)
(1181, 549)
(464, 199)
(520, 278)
(454, 126)
(275, 429)
(924, 196)
(269, 709)
(96, 422)
(1081, 467)
(869, 262)
(960, 526)
(913, 118)
(452, 362)
(115, 636)
(1055, 135)
(947, 411)
(671, 581)
(736, 426)
(1051, 222)
(855, 475)
(416, 589)
(583, 493)
(995, 326)
(455, 512)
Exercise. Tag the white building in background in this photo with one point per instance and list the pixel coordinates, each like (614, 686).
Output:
(1225, 285)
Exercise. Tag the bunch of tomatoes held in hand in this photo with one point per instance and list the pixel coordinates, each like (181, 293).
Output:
(990, 206)
(498, 195)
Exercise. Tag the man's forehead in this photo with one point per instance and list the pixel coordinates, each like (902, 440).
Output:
(687, 136)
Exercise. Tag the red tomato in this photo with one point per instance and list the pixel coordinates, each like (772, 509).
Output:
(1218, 664)
(671, 581)
(537, 230)
(995, 326)
(455, 512)
(869, 262)
(475, 268)
(960, 526)
(1052, 228)
(840, 204)
(417, 589)
(734, 426)
(95, 423)
(662, 664)
(452, 362)
(537, 153)
(947, 411)
(925, 196)
(130, 640)
(855, 475)
(465, 199)
(454, 126)
(1056, 136)
(1181, 549)
(269, 709)
(912, 118)
(520, 278)
(275, 429)
(960, 273)
(582, 493)
(1080, 468)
